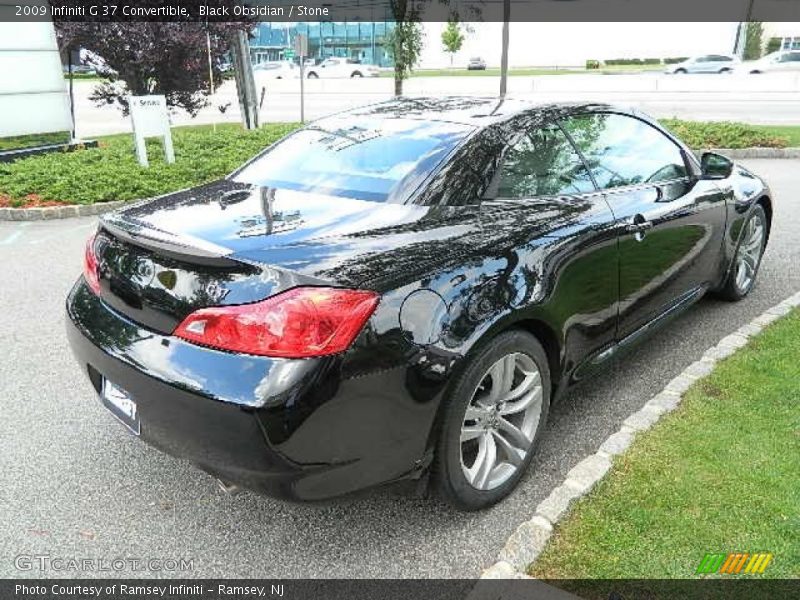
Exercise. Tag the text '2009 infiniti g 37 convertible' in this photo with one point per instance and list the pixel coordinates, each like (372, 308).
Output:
(398, 293)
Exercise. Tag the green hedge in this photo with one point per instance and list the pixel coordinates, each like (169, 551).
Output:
(723, 134)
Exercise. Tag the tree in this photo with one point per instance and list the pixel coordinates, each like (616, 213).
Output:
(753, 46)
(152, 58)
(452, 39)
(404, 41)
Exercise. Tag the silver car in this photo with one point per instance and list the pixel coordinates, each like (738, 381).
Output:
(707, 63)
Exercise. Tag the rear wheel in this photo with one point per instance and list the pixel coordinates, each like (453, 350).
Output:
(680, 71)
(356, 74)
(747, 260)
(313, 75)
(494, 415)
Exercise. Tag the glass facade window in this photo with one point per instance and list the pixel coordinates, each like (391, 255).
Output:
(360, 41)
(791, 43)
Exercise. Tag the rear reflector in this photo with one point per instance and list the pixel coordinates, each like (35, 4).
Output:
(90, 267)
(300, 323)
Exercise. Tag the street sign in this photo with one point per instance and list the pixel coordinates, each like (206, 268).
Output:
(288, 54)
(300, 44)
(150, 119)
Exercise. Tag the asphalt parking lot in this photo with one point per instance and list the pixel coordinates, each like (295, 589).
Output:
(74, 484)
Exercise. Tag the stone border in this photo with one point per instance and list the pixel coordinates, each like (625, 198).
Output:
(530, 538)
(58, 212)
(85, 210)
(739, 153)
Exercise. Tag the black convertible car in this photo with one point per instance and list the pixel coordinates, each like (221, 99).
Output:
(398, 293)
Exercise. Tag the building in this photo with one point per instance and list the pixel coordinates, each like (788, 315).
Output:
(363, 41)
(788, 34)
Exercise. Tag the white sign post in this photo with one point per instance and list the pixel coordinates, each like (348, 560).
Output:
(149, 116)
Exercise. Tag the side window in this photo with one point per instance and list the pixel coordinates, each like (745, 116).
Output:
(543, 163)
(622, 150)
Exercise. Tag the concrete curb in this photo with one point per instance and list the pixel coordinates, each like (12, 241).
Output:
(58, 212)
(85, 210)
(739, 153)
(531, 537)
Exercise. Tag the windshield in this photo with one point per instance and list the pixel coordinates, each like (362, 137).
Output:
(362, 160)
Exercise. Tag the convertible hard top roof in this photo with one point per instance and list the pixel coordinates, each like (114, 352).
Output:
(468, 110)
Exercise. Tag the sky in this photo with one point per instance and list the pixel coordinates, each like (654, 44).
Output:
(571, 44)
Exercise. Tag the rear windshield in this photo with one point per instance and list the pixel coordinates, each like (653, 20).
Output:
(365, 160)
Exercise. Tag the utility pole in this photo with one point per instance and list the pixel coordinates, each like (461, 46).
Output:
(245, 82)
(504, 55)
(741, 33)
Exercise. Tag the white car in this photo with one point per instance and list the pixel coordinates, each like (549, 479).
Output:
(341, 67)
(707, 63)
(277, 69)
(783, 60)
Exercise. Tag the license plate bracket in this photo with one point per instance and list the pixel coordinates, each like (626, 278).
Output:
(120, 404)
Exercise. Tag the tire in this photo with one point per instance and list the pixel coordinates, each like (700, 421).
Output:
(725, 71)
(681, 71)
(739, 285)
(356, 74)
(755, 72)
(312, 75)
(461, 472)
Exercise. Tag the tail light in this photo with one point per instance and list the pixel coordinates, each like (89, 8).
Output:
(90, 266)
(300, 323)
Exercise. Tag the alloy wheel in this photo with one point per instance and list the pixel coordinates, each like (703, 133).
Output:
(749, 254)
(501, 421)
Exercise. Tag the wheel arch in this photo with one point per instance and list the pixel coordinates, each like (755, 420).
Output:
(766, 204)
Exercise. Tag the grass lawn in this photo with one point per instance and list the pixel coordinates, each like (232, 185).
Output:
(111, 172)
(718, 475)
(461, 71)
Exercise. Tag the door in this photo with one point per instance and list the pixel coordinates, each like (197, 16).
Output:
(542, 196)
(670, 223)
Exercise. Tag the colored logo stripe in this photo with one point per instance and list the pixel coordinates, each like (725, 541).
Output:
(734, 562)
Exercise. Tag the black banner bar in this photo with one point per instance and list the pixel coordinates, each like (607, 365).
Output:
(396, 589)
(384, 10)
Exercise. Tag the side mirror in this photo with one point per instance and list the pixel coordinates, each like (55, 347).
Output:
(715, 166)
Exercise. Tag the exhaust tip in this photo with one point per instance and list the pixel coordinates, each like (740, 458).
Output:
(231, 489)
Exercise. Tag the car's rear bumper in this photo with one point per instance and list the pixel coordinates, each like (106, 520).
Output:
(287, 428)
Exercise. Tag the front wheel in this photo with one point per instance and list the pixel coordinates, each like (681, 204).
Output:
(494, 414)
(742, 276)
(313, 75)
(356, 74)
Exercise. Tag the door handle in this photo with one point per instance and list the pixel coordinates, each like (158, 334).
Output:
(639, 226)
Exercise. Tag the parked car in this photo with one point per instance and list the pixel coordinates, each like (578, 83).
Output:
(279, 69)
(707, 63)
(476, 63)
(399, 293)
(785, 60)
(341, 67)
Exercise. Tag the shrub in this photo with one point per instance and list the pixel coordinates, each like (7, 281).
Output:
(675, 60)
(774, 44)
(723, 134)
(592, 64)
